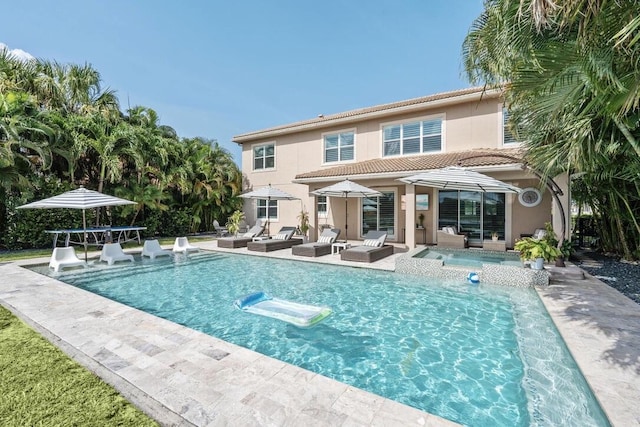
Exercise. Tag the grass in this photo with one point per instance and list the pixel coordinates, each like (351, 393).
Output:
(43, 386)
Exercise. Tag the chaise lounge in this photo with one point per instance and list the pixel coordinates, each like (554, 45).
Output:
(371, 250)
(152, 249)
(182, 245)
(65, 257)
(282, 240)
(112, 252)
(241, 242)
(319, 248)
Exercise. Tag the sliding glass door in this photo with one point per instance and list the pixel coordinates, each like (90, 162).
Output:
(474, 213)
(379, 213)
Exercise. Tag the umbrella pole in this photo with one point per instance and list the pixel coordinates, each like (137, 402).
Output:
(84, 227)
(346, 225)
(268, 216)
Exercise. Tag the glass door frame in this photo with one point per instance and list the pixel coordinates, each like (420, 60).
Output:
(393, 190)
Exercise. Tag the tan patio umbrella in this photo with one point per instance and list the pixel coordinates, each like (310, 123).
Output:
(457, 178)
(346, 189)
(80, 198)
(268, 193)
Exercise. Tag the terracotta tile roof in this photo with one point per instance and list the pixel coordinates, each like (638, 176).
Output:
(415, 164)
(361, 114)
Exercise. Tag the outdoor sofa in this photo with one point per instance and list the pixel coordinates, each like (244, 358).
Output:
(319, 248)
(449, 237)
(241, 242)
(371, 250)
(282, 240)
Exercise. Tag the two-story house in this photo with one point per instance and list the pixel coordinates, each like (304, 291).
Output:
(376, 146)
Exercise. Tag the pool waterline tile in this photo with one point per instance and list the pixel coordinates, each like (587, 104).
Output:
(621, 396)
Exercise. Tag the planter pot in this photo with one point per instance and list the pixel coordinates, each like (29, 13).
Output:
(538, 264)
(560, 262)
(495, 239)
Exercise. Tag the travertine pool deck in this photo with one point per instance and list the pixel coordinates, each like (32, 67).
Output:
(183, 377)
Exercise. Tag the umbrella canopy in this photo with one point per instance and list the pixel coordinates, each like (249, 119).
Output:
(457, 178)
(268, 193)
(80, 198)
(346, 189)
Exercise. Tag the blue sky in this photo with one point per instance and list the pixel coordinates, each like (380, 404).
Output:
(217, 68)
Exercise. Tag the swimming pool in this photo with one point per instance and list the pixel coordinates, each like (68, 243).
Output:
(481, 355)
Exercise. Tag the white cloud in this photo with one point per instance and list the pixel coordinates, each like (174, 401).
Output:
(17, 53)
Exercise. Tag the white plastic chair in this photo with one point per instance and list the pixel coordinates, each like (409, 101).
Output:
(112, 252)
(152, 249)
(65, 257)
(182, 245)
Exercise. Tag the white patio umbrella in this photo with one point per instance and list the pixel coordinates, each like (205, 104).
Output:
(80, 198)
(457, 178)
(346, 189)
(268, 193)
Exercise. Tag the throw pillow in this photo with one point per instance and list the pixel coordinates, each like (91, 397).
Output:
(324, 239)
(372, 242)
(281, 236)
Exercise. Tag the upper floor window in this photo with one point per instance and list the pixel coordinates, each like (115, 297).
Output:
(412, 138)
(264, 157)
(338, 147)
(507, 136)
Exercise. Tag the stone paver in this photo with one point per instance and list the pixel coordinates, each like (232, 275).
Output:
(183, 377)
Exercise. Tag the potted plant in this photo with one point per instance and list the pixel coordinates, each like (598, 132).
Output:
(494, 236)
(304, 224)
(537, 250)
(421, 219)
(233, 222)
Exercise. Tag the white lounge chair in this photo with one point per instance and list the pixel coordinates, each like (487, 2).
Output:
(65, 257)
(152, 249)
(182, 245)
(112, 252)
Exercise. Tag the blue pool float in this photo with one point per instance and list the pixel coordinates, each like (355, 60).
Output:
(301, 315)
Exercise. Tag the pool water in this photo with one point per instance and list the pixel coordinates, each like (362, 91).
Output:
(478, 355)
(469, 257)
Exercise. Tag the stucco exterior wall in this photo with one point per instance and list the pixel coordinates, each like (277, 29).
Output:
(467, 125)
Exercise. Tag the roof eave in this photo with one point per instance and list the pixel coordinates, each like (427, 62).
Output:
(329, 122)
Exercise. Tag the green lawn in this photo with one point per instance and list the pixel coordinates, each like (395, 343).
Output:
(41, 386)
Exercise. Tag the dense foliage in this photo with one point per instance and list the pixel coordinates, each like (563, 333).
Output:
(59, 129)
(570, 70)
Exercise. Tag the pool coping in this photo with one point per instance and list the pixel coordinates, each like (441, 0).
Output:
(182, 377)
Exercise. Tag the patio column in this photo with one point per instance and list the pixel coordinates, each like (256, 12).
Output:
(410, 216)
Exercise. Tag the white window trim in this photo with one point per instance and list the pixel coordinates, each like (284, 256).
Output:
(324, 214)
(271, 220)
(502, 126)
(412, 120)
(339, 162)
(275, 157)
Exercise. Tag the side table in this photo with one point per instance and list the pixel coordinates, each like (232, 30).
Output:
(338, 246)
